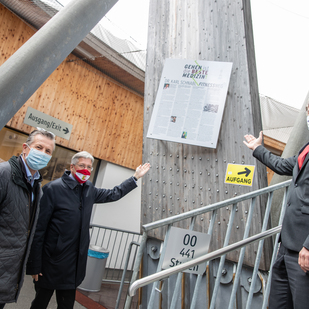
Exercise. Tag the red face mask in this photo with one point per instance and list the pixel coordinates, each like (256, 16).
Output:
(82, 175)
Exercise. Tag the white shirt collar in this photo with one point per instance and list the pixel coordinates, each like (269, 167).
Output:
(72, 176)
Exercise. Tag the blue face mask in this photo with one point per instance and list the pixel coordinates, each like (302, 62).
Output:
(36, 159)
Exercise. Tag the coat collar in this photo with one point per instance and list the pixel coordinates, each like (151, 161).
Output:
(303, 148)
(19, 173)
(307, 157)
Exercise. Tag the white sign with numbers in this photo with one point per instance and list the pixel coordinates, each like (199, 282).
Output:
(183, 246)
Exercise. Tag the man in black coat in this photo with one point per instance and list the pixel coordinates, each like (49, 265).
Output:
(20, 193)
(290, 277)
(58, 255)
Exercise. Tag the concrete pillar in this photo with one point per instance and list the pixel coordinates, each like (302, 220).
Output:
(298, 138)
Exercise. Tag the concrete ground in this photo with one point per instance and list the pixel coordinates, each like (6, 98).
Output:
(27, 294)
(103, 299)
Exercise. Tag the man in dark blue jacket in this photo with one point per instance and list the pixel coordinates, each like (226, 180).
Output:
(290, 277)
(58, 255)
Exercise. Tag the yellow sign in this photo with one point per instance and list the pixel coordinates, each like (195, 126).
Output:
(239, 174)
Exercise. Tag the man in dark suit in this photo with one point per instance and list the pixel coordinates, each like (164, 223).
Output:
(290, 278)
(58, 255)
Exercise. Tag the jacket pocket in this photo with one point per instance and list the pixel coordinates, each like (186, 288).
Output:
(305, 210)
(53, 246)
(58, 248)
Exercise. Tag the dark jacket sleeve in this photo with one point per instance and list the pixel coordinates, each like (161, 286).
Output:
(3, 189)
(34, 264)
(4, 180)
(279, 165)
(111, 195)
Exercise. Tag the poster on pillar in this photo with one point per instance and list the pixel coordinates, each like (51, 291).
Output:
(190, 102)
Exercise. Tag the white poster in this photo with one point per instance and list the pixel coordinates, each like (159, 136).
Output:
(190, 102)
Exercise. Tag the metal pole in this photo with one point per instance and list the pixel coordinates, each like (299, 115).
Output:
(136, 267)
(24, 72)
(125, 268)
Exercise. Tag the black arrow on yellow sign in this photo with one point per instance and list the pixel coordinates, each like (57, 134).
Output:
(246, 171)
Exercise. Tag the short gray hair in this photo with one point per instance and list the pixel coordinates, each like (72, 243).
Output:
(43, 132)
(81, 154)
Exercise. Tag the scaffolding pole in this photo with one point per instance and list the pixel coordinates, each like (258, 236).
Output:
(26, 70)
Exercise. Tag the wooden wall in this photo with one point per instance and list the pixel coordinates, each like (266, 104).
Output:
(185, 177)
(275, 147)
(107, 118)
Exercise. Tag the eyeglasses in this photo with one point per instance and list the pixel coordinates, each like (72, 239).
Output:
(43, 130)
(82, 167)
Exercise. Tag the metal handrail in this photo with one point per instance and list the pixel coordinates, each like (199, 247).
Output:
(117, 241)
(113, 229)
(195, 212)
(133, 243)
(192, 215)
(207, 257)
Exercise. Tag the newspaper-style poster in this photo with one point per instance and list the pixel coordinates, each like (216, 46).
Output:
(190, 102)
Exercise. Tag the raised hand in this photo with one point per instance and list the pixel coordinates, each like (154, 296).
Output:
(141, 170)
(253, 142)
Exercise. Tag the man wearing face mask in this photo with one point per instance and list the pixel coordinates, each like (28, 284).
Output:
(290, 277)
(20, 193)
(59, 251)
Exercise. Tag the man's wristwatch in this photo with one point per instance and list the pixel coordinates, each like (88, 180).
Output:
(134, 178)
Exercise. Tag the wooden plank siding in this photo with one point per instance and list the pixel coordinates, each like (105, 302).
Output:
(275, 147)
(185, 177)
(107, 118)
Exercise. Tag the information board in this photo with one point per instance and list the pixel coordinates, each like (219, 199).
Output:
(184, 245)
(190, 102)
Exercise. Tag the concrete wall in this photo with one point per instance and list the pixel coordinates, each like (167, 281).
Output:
(125, 213)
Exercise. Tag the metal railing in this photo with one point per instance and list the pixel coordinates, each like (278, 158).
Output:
(122, 246)
(122, 254)
(205, 258)
(212, 209)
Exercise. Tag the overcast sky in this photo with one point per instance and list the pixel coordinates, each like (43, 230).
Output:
(281, 29)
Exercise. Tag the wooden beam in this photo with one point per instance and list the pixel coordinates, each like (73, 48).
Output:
(274, 145)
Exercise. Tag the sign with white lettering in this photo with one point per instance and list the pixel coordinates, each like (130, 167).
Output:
(237, 174)
(183, 246)
(36, 118)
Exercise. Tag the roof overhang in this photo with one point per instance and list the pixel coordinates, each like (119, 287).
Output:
(91, 50)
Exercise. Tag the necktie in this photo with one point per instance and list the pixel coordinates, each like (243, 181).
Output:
(302, 156)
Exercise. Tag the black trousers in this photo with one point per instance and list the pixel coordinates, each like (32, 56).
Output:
(65, 298)
(289, 283)
(2, 306)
